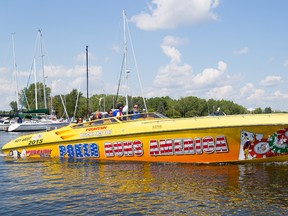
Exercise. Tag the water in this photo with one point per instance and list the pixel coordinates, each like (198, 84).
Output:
(88, 187)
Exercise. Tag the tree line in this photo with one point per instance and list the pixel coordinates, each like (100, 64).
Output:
(74, 104)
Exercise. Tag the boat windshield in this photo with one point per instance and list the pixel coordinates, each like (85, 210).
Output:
(122, 119)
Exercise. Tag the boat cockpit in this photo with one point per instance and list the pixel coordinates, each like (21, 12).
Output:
(122, 119)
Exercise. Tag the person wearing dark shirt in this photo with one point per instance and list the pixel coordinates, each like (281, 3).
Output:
(135, 112)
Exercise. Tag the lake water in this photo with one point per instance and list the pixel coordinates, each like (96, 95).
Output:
(88, 187)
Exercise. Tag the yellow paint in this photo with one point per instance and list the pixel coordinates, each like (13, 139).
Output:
(144, 130)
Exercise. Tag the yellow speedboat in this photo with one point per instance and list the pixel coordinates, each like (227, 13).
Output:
(155, 138)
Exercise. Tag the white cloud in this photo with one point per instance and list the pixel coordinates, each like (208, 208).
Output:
(210, 75)
(7, 93)
(220, 92)
(177, 79)
(280, 95)
(180, 76)
(242, 51)
(4, 69)
(246, 90)
(116, 48)
(71, 78)
(271, 81)
(169, 45)
(81, 57)
(174, 41)
(257, 95)
(6, 86)
(23, 74)
(173, 74)
(173, 53)
(168, 14)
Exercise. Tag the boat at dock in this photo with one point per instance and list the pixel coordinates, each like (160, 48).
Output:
(39, 125)
(36, 120)
(153, 137)
(4, 124)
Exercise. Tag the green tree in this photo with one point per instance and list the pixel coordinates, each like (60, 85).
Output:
(158, 104)
(71, 100)
(183, 105)
(28, 96)
(258, 111)
(268, 110)
(13, 105)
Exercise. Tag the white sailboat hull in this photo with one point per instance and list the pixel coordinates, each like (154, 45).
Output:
(3, 127)
(22, 127)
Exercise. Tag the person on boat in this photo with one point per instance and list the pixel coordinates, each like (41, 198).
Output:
(118, 112)
(110, 115)
(97, 115)
(19, 120)
(79, 120)
(135, 112)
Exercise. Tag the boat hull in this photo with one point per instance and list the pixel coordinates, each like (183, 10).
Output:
(4, 127)
(179, 141)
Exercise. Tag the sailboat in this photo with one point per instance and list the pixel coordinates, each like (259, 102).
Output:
(125, 69)
(39, 118)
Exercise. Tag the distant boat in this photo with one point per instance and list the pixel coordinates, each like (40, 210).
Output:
(39, 120)
(4, 124)
(36, 126)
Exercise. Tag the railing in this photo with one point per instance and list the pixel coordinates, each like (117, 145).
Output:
(122, 119)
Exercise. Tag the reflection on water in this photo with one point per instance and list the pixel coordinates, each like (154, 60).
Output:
(49, 187)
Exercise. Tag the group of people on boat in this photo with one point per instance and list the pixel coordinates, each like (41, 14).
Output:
(135, 113)
(119, 112)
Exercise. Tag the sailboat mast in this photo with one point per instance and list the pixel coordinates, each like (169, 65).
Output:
(125, 58)
(42, 58)
(35, 81)
(15, 72)
(87, 81)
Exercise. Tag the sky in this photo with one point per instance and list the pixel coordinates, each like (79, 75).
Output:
(234, 50)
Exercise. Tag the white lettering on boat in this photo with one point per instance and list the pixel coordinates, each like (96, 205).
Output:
(79, 150)
(188, 146)
(95, 133)
(125, 148)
